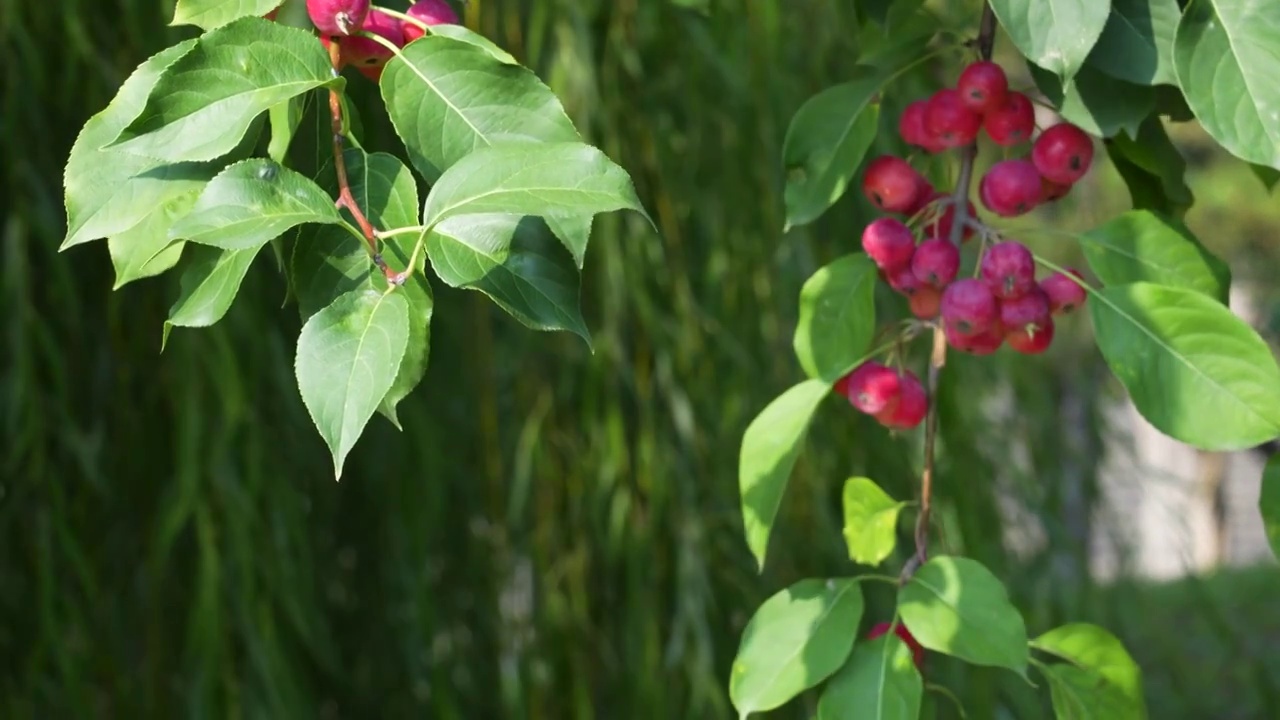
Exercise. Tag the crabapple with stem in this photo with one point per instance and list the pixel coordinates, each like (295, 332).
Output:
(968, 307)
(338, 17)
(872, 387)
(1064, 293)
(1010, 188)
(1062, 153)
(1012, 121)
(430, 12)
(891, 184)
(936, 262)
(1009, 269)
(950, 120)
(983, 86)
(889, 243)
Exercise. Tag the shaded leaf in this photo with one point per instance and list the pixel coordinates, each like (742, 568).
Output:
(1193, 369)
(1144, 246)
(1153, 168)
(209, 14)
(837, 317)
(879, 682)
(1057, 35)
(1101, 105)
(209, 284)
(955, 606)
(795, 640)
(870, 521)
(1268, 176)
(1136, 44)
(769, 450)
(1269, 503)
(285, 119)
(145, 250)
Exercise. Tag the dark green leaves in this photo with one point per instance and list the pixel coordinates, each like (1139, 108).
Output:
(837, 317)
(1100, 104)
(1137, 43)
(1057, 35)
(769, 450)
(1145, 246)
(209, 14)
(1152, 167)
(795, 640)
(348, 355)
(870, 521)
(956, 606)
(1102, 681)
(880, 682)
(206, 100)
(1269, 503)
(250, 203)
(825, 144)
(1193, 369)
(1226, 52)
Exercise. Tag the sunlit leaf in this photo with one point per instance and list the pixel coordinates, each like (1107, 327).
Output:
(870, 521)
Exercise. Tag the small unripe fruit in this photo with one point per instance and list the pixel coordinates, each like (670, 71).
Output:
(1026, 313)
(1065, 294)
(1031, 342)
(983, 86)
(338, 17)
(968, 307)
(936, 262)
(1010, 188)
(888, 243)
(925, 302)
(1012, 121)
(1062, 153)
(872, 387)
(917, 650)
(911, 407)
(891, 184)
(949, 120)
(1009, 269)
(430, 12)
(369, 56)
(904, 281)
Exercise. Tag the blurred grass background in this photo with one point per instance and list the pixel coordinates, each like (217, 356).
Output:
(555, 534)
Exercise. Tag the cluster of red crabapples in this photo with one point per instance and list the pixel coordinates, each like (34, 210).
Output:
(1003, 303)
(344, 20)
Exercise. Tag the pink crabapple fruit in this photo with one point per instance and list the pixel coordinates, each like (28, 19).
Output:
(369, 56)
(889, 243)
(904, 281)
(1028, 312)
(338, 17)
(891, 184)
(1065, 294)
(911, 407)
(968, 307)
(983, 86)
(1010, 188)
(948, 119)
(1009, 269)
(1031, 341)
(1062, 153)
(1012, 121)
(936, 262)
(982, 343)
(872, 387)
(430, 12)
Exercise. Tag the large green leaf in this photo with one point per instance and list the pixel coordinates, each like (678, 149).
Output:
(1194, 370)
(209, 284)
(1153, 168)
(1269, 503)
(145, 250)
(837, 317)
(462, 34)
(449, 97)
(1057, 35)
(870, 521)
(1137, 43)
(250, 203)
(1094, 649)
(1226, 53)
(328, 261)
(825, 143)
(515, 260)
(207, 99)
(1100, 104)
(348, 357)
(769, 450)
(1141, 245)
(796, 638)
(210, 14)
(956, 606)
(552, 180)
(1081, 694)
(110, 192)
(879, 682)
(285, 119)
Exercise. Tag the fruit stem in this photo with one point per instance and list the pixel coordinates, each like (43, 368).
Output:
(345, 198)
(938, 358)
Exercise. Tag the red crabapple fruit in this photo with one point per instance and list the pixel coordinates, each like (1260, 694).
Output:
(983, 86)
(889, 243)
(1065, 294)
(338, 17)
(917, 650)
(1062, 153)
(911, 407)
(936, 262)
(1009, 269)
(1028, 312)
(430, 12)
(904, 281)
(891, 184)
(369, 56)
(948, 119)
(872, 387)
(1031, 342)
(1012, 121)
(968, 307)
(1010, 188)
(983, 343)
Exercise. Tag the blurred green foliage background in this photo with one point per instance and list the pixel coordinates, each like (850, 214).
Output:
(555, 534)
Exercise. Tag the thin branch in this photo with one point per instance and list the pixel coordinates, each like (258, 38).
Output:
(938, 357)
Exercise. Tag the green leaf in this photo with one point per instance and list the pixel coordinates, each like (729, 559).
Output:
(462, 34)
(210, 14)
(879, 682)
(954, 605)
(552, 180)
(285, 119)
(250, 203)
(329, 261)
(515, 260)
(1080, 694)
(1100, 104)
(1226, 54)
(348, 357)
(837, 317)
(1137, 43)
(1153, 168)
(208, 286)
(1057, 35)
(110, 192)
(825, 143)
(1094, 649)
(1194, 370)
(1269, 503)
(1143, 246)
(796, 638)
(870, 521)
(144, 250)
(769, 450)
(1268, 176)
(207, 99)
(449, 97)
